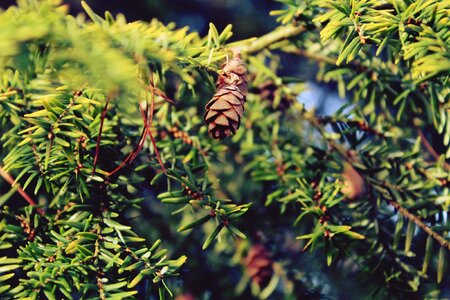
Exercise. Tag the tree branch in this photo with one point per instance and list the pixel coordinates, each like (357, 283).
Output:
(311, 55)
(345, 154)
(281, 33)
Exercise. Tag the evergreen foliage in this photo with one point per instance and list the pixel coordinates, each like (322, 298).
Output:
(104, 156)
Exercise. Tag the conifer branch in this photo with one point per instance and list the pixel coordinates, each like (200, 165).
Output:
(440, 239)
(351, 159)
(310, 55)
(282, 33)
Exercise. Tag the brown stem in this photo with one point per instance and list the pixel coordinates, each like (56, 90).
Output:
(354, 65)
(76, 94)
(149, 132)
(101, 289)
(51, 134)
(154, 90)
(8, 178)
(99, 137)
(440, 239)
(147, 117)
(158, 157)
(362, 38)
(135, 151)
(148, 123)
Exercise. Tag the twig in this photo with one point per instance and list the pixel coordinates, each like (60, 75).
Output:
(311, 55)
(144, 133)
(154, 90)
(36, 155)
(354, 65)
(441, 240)
(282, 33)
(95, 258)
(51, 134)
(99, 137)
(8, 178)
(135, 151)
(147, 117)
(149, 124)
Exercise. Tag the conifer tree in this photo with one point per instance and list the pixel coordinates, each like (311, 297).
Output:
(140, 160)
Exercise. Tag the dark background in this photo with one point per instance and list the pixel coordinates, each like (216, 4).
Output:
(249, 17)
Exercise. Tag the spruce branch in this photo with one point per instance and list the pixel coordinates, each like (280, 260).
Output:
(440, 239)
(316, 122)
(365, 127)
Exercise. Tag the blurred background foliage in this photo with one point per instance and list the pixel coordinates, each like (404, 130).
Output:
(329, 140)
(249, 18)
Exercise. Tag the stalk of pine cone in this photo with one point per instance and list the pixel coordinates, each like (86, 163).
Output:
(226, 108)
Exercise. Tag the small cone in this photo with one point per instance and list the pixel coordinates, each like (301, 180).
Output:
(268, 91)
(259, 264)
(226, 108)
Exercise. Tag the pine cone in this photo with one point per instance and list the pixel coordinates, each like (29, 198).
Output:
(225, 110)
(259, 264)
(267, 91)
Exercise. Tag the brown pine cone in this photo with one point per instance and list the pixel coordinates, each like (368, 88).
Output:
(267, 91)
(225, 110)
(259, 264)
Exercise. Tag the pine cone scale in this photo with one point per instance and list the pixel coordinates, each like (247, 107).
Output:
(221, 105)
(239, 110)
(209, 114)
(237, 93)
(222, 120)
(230, 98)
(232, 114)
